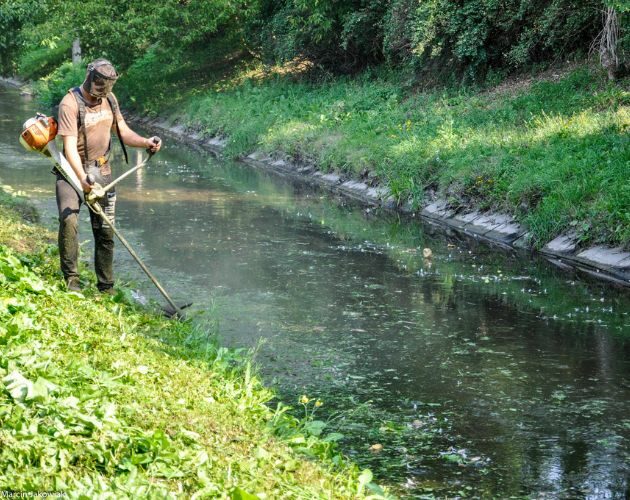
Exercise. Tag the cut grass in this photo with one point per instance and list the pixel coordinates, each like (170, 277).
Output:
(16, 229)
(100, 398)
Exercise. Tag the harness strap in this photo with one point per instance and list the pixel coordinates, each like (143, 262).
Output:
(115, 111)
(76, 92)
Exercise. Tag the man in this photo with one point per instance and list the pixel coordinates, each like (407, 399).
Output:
(87, 116)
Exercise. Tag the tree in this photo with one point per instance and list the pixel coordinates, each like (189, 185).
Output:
(607, 43)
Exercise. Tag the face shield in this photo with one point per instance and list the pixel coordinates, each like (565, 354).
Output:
(100, 79)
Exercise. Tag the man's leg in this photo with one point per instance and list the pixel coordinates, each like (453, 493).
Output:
(104, 244)
(68, 204)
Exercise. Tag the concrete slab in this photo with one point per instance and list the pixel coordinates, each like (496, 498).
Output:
(331, 178)
(437, 210)
(615, 278)
(565, 243)
(378, 193)
(355, 186)
(256, 155)
(467, 218)
(483, 224)
(506, 233)
(604, 256)
(462, 220)
(559, 263)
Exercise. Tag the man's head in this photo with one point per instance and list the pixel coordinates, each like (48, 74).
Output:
(100, 78)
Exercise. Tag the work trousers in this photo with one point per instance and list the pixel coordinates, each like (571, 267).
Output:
(68, 205)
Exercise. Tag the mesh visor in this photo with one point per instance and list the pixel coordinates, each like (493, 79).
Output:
(100, 84)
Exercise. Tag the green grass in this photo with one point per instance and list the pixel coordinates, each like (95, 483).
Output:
(555, 153)
(100, 398)
(16, 228)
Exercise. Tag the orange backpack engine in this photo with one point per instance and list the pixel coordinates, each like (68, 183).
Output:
(38, 132)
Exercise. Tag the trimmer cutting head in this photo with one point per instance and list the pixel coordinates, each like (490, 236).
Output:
(170, 312)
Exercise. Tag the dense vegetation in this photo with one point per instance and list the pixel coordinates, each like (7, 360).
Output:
(418, 95)
(467, 40)
(102, 399)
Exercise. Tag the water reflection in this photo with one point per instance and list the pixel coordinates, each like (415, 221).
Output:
(478, 373)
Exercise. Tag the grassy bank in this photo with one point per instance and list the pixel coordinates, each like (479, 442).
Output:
(101, 398)
(553, 152)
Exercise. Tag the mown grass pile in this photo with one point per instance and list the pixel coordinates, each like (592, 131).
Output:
(554, 152)
(98, 397)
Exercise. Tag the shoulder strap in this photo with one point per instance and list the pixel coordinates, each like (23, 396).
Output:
(113, 104)
(76, 92)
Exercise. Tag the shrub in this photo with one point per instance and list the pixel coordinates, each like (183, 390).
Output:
(43, 60)
(337, 36)
(53, 87)
(472, 36)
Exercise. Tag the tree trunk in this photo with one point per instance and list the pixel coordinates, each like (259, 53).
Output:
(76, 51)
(608, 43)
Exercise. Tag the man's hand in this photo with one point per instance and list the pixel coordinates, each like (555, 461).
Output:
(87, 187)
(154, 144)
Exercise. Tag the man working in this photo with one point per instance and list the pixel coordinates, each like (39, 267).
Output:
(87, 116)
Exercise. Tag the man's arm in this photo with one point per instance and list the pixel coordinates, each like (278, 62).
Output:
(72, 155)
(130, 138)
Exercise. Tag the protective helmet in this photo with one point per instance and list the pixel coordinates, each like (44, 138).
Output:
(38, 132)
(100, 79)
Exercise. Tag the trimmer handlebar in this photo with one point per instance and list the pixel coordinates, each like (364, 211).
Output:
(99, 191)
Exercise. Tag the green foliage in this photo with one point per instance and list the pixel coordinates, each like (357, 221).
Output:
(445, 40)
(14, 15)
(163, 76)
(40, 62)
(123, 30)
(52, 88)
(339, 36)
(472, 36)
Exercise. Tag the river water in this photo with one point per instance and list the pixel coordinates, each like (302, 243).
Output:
(476, 373)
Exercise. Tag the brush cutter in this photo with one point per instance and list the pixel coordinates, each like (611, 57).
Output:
(38, 135)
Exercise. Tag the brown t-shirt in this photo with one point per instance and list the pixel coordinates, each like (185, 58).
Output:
(99, 120)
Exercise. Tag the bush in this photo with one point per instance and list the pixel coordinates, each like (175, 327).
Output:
(53, 87)
(337, 36)
(42, 61)
(470, 37)
(450, 41)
